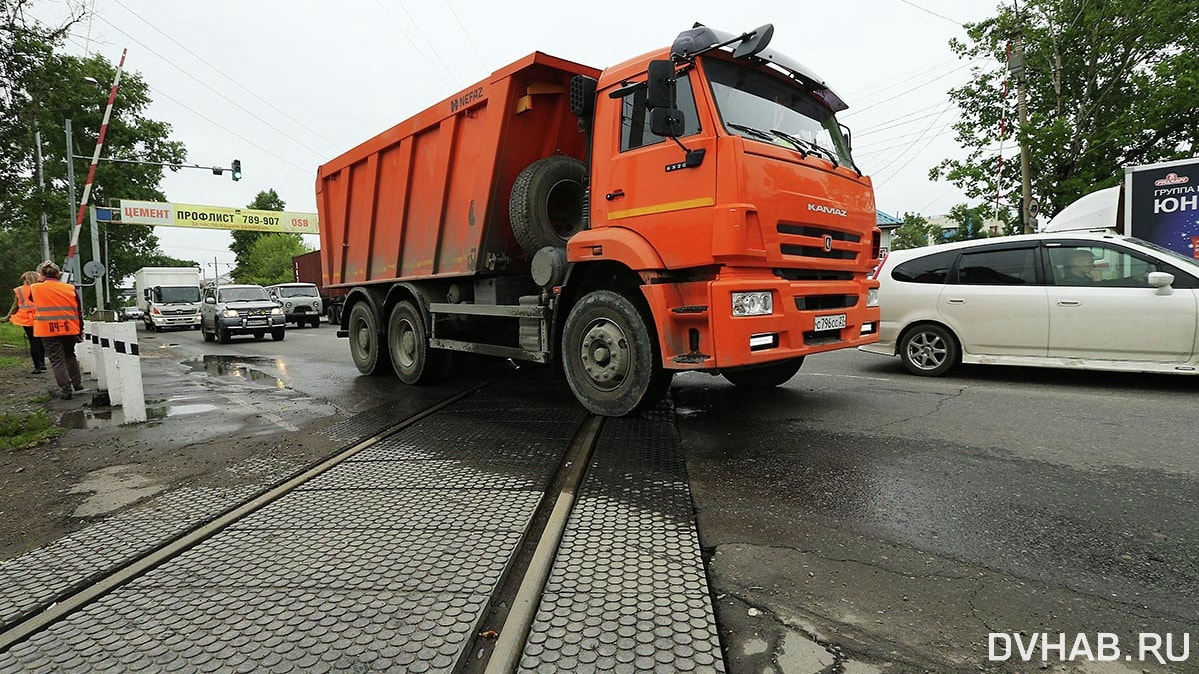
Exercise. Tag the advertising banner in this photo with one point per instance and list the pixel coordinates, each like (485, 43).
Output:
(1162, 205)
(215, 217)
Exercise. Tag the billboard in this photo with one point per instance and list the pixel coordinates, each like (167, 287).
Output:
(1162, 203)
(215, 217)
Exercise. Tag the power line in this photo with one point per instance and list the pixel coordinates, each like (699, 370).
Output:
(910, 90)
(222, 74)
(916, 154)
(206, 86)
(940, 16)
(464, 32)
(902, 120)
(417, 49)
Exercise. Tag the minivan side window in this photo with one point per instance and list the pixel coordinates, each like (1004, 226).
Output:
(928, 269)
(1008, 267)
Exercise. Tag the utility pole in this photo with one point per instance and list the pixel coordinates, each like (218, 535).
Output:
(1017, 68)
(41, 183)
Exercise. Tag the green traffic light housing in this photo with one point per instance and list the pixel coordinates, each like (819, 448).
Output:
(236, 169)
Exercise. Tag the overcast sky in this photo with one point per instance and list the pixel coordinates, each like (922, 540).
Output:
(285, 85)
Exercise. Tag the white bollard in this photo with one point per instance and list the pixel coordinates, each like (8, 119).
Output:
(128, 371)
(108, 359)
(98, 357)
(84, 352)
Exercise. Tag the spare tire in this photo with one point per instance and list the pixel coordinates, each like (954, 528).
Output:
(547, 203)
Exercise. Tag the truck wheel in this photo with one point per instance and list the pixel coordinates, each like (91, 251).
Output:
(316, 321)
(365, 349)
(222, 335)
(408, 345)
(929, 350)
(208, 336)
(278, 334)
(259, 334)
(610, 356)
(760, 377)
(547, 202)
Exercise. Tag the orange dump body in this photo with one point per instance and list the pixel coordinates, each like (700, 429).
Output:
(428, 197)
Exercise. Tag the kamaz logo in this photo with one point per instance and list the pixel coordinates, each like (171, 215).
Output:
(828, 209)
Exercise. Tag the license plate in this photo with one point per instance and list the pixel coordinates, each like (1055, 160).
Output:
(834, 322)
(256, 321)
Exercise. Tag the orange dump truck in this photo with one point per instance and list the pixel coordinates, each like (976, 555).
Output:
(692, 209)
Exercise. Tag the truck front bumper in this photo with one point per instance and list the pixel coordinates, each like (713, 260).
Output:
(698, 331)
(160, 321)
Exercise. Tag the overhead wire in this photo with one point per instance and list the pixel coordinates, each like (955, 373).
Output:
(241, 107)
(244, 88)
(884, 181)
(466, 33)
(418, 49)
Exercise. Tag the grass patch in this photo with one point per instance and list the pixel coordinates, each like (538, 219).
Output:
(22, 431)
(11, 361)
(12, 335)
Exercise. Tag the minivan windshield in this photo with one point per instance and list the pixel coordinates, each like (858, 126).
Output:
(771, 109)
(296, 291)
(243, 295)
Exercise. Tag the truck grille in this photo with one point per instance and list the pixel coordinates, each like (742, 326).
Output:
(810, 241)
(825, 302)
(178, 312)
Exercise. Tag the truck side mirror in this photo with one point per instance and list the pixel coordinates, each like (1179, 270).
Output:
(210, 300)
(661, 92)
(145, 294)
(666, 122)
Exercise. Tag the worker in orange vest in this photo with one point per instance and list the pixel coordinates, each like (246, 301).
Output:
(58, 320)
(21, 313)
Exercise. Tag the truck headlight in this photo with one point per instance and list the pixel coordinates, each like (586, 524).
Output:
(277, 311)
(229, 313)
(872, 297)
(757, 303)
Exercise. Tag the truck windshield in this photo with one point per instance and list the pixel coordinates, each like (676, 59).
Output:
(296, 291)
(176, 295)
(243, 295)
(771, 109)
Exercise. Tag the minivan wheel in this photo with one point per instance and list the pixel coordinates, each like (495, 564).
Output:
(929, 350)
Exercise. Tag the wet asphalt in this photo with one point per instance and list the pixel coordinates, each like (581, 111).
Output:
(860, 519)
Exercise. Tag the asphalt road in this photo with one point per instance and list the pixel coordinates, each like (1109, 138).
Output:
(865, 519)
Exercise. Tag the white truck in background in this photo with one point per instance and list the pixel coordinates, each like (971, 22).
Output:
(169, 297)
(1158, 203)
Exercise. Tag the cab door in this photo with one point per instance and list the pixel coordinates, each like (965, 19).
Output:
(639, 179)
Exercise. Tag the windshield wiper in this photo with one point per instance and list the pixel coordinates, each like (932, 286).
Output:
(800, 144)
(752, 131)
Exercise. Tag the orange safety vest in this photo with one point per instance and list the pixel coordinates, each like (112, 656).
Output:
(57, 309)
(25, 310)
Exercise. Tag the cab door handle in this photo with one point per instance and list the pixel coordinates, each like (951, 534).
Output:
(615, 194)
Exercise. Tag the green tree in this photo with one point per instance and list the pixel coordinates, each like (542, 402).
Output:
(269, 261)
(915, 232)
(970, 222)
(1109, 84)
(41, 90)
(244, 239)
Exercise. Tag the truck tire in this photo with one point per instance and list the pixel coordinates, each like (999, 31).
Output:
(610, 356)
(760, 377)
(368, 353)
(278, 334)
(222, 335)
(208, 336)
(547, 202)
(316, 321)
(408, 345)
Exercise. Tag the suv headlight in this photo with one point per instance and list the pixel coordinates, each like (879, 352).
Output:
(757, 303)
(277, 311)
(230, 313)
(872, 297)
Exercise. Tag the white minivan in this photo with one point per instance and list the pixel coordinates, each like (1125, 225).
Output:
(1092, 300)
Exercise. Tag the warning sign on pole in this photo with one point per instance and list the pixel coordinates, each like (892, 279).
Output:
(216, 217)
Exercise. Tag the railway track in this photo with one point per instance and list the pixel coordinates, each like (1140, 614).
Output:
(498, 530)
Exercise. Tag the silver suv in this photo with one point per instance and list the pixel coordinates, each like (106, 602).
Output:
(301, 302)
(240, 310)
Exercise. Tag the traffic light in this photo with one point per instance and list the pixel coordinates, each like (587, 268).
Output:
(236, 169)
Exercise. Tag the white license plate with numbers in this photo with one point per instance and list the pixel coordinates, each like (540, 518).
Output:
(834, 322)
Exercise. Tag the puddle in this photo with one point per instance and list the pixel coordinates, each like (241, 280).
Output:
(239, 367)
(111, 417)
